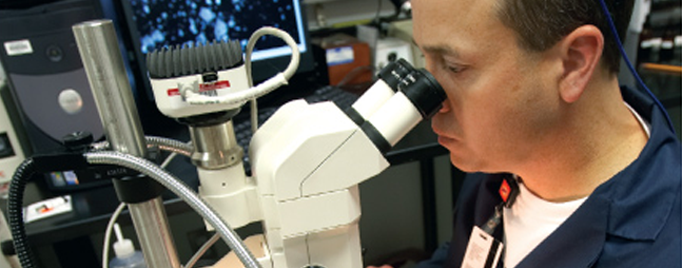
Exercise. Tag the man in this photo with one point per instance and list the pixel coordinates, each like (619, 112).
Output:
(533, 98)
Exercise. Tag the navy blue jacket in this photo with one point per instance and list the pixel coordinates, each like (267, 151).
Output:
(632, 220)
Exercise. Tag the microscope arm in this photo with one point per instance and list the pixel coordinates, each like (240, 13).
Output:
(308, 160)
(307, 184)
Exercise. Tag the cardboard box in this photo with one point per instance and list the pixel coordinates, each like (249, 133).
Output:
(348, 59)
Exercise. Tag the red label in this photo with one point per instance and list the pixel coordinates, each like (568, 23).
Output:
(214, 86)
(202, 87)
(505, 190)
(173, 92)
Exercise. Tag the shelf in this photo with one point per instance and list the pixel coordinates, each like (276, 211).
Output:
(662, 68)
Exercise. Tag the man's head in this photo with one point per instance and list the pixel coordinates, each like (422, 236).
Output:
(508, 101)
(541, 23)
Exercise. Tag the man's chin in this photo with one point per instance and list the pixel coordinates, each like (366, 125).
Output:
(470, 164)
(461, 164)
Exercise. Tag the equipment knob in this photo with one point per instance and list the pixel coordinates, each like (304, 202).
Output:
(77, 141)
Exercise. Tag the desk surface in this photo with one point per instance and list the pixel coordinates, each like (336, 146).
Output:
(93, 208)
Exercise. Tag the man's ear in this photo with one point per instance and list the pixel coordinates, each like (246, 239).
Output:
(581, 52)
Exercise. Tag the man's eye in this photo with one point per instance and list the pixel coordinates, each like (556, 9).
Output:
(454, 69)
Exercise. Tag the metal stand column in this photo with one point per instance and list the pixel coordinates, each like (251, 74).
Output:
(98, 46)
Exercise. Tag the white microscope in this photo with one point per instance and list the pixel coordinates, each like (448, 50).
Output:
(307, 159)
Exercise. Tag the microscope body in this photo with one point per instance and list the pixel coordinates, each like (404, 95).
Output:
(308, 160)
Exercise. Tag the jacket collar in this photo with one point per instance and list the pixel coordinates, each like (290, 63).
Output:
(643, 188)
(649, 176)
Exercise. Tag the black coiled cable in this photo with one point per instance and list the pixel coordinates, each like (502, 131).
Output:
(16, 216)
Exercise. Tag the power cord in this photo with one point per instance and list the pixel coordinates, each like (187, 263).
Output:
(240, 97)
(202, 250)
(629, 64)
(107, 234)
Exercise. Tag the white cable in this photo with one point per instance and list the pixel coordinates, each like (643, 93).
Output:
(239, 97)
(253, 102)
(261, 89)
(254, 116)
(168, 160)
(295, 54)
(117, 212)
(202, 250)
(288, 72)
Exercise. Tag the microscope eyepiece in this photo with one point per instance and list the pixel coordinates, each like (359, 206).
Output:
(386, 86)
(419, 97)
(422, 89)
(394, 72)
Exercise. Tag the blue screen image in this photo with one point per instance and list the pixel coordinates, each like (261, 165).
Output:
(163, 23)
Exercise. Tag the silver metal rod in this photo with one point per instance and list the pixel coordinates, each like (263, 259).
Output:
(106, 73)
(103, 65)
(148, 216)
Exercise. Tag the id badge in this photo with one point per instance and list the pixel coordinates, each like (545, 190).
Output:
(483, 250)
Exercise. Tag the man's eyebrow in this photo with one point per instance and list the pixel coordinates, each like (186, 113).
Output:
(438, 49)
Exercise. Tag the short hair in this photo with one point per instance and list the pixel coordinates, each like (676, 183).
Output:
(540, 24)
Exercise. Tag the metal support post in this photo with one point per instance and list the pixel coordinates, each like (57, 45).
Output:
(101, 56)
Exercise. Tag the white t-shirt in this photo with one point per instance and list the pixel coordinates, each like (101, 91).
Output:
(531, 219)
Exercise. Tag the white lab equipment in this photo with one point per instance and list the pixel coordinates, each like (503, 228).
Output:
(307, 159)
